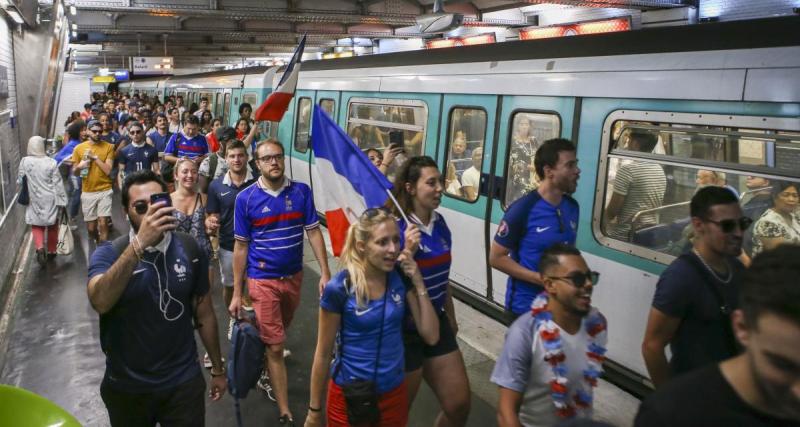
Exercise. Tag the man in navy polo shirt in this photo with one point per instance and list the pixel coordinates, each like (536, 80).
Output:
(189, 143)
(222, 194)
(269, 219)
(138, 155)
(151, 290)
(535, 222)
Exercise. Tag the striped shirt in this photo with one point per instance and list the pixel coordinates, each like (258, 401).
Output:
(643, 185)
(272, 222)
(181, 146)
(433, 258)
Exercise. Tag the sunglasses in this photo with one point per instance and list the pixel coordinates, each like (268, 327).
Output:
(373, 212)
(95, 130)
(729, 225)
(579, 279)
(141, 207)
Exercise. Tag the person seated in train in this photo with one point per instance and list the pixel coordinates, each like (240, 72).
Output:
(382, 160)
(245, 111)
(780, 223)
(460, 155)
(452, 185)
(638, 186)
(535, 222)
(696, 293)
(524, 145)
(707, 177)
(471, 178)
(202, 108)
(755, 201)
(553, 354)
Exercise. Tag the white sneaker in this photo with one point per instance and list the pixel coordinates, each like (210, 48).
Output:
(264, 385)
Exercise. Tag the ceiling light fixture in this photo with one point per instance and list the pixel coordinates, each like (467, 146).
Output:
(15, 15)
(73, 10)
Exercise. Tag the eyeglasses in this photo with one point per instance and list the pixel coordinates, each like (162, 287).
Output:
(134, 132)
(268, 159)
(789, 195)
(729, 225)
(141, 207)
(95, 130)
(579, 279)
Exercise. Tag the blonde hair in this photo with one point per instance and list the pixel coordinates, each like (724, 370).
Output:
(354, 262)
(181, 161)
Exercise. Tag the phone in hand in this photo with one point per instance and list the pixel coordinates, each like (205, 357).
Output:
(161, 197)
(396, 139)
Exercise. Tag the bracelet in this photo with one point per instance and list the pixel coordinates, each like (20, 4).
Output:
(422, 293)
(313, 409)
(138, 252)
(218, 374)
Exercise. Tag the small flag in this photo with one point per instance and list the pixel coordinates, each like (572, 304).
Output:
(349, 182)
(276, 104)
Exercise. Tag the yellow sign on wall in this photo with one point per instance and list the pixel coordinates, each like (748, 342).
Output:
(104, 79)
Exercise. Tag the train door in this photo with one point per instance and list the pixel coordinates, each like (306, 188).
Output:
(299, 153)
(226, 106)
(328, 101)
(525, 122)
(464, 157)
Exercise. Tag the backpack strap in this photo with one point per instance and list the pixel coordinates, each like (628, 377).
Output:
(213, 160)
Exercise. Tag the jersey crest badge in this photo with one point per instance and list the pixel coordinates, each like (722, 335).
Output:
(288, 203)
(502, 230)
(265, 210)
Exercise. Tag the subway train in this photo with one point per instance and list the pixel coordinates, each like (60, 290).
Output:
(722, 98)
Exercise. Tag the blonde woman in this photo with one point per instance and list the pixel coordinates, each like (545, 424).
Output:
(365, 303)
(190, 204)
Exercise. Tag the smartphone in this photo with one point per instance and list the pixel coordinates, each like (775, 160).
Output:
(161, 197)
(396, 139)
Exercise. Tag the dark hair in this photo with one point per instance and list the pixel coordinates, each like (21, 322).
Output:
(224, 133)
(647, 140)
(780, 186)
(246, 121)
(268, 141)
(409, 173)
(204, 99)
(550, 255)
(235, 144)
(243, 106)
(135, 124)
(547, 154)
(710, 196)
(367, 151)
(172, 109)
(87, 105)
(74, 130)
(162, 115)
(192, 120)
(770, 285)
(139, 178)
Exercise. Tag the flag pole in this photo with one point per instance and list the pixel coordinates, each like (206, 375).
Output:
(397, 205)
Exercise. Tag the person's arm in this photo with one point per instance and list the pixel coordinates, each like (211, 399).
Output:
(204, 182)
(318, 246)
(419, 302)
(207, 329)
(508, 408)
(240, 250)
(156, 167)
(499, 259)
(450, 309)
(389, 153)
(328, 326)
(660, 331)
(248, 139)
(470, 192)
(105, 289)
(106, 164)
(614, 206)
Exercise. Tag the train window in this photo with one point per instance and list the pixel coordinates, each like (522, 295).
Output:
(226, 106)
(303, 124)
(328, 105)
(252, 99)
(218, 112)
(464, 157)
(371, 122)
(655, 162)
(528, 131)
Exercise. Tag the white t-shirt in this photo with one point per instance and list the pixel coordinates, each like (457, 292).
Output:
(521, 367)
(471, 178)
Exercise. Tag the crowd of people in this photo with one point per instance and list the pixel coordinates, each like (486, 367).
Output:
(221, 201)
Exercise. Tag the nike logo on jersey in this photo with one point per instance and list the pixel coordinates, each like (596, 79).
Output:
(265, 210)
(541, 229)
(226, 193)
(362, 312)
(141, 270)
(424, 249)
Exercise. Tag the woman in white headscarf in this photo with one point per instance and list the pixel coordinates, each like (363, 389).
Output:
(47, 195)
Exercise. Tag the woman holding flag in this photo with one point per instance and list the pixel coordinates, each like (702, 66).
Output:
(418, 192)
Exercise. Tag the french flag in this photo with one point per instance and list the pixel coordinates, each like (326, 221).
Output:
(349, 182)
(276, 104)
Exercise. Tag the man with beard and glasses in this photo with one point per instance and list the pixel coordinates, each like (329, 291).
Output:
(269, 218)
(535, 222)
(138, 155)
(697, 292)
(92, 161)
(553, 355)
(150, 288)
(761, 386)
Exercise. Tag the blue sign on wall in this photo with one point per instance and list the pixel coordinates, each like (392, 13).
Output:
(122, 75)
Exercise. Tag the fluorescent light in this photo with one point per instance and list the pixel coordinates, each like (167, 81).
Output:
(75, 27)
(75, 34)
(73, 10)
(15, 16)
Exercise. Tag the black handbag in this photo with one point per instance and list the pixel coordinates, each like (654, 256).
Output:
(24, 197)
(361, 396)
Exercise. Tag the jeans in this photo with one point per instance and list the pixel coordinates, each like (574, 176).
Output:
(74, 194)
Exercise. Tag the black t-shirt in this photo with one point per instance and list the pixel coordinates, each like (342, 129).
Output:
(704, 399)
(704, 335)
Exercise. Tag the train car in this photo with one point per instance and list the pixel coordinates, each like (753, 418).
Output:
(722, 98)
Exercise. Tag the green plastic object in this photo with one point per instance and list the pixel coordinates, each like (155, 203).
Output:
(22, 408)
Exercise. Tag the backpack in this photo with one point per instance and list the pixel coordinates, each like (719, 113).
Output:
(245, 361)
(213, 160)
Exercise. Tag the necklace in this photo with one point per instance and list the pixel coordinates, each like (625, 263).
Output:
(548, 330)
(714, 273)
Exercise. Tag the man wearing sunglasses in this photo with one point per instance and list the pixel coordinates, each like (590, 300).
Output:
(138, 155)
(527, 365)
(697, 292)
(93, 160)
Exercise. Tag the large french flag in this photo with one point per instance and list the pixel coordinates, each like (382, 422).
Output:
(276, 104)
(349, 183)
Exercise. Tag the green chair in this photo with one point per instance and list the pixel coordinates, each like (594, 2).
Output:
(22, 408)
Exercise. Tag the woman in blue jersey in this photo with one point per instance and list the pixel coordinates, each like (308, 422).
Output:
(366, 304)
(418, 190)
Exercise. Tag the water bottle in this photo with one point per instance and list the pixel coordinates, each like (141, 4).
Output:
(85, 171)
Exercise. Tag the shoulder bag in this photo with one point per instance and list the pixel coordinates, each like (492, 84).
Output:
(24, 197)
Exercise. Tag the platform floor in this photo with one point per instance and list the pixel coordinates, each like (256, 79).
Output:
(53, 349)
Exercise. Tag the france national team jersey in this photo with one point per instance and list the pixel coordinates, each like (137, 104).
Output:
(159, 141)
(530, 226)
(273, 224)
(361, 326)
(433, 257)
(181, 146)
(137, 158)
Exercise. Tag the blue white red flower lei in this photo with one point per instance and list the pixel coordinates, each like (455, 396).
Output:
(549, 332)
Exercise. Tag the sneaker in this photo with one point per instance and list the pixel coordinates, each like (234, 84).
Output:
(286, 420)
(230, 328)
(247, 303)
(264, 385)
(286, 353)
(41, 256)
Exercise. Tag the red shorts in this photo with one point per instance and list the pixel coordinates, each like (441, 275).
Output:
(393, 406)
(274, 303)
